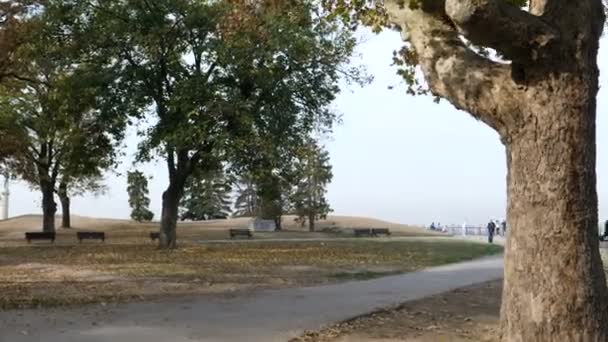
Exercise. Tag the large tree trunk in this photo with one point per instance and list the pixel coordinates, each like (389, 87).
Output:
(66, 221)
(169, 215)
(543, 107)
(49, 207)
(555, 288)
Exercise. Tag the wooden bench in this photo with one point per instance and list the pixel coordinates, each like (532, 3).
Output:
(91, 236)
(154, 236)
(362, 232)
(29, 236)
(240, 232)
(380, 231)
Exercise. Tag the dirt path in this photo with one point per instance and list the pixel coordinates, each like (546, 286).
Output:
(263, 316)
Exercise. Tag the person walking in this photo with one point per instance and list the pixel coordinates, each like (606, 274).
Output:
(491, 228)
(503, 225)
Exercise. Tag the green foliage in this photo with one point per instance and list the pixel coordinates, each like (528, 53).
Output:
(57, 117)
(221, 81)
(315, 173)
(137, 188)
(206, 196)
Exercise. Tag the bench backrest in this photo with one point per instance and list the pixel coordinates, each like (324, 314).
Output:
(40, 235)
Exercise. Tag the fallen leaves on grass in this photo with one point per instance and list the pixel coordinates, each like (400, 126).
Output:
(47, 275)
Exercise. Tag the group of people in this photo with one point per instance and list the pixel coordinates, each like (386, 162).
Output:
(496, 228)
(437, 227)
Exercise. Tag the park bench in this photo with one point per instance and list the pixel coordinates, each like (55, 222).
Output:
(362, 232)
(29, 236)
(240, 232)
(91, 236)
(380, 231)
(154, 236)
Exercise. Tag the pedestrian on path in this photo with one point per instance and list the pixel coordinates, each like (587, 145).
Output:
(491, 229)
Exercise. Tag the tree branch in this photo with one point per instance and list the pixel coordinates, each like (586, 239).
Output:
(516, 34)
(454, 72)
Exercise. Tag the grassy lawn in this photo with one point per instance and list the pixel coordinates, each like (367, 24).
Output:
(56, 275)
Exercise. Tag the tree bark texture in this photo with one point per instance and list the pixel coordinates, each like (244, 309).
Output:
(169, 215)
(66, 221)
(543, 105)
(49, 207)
(180, 167)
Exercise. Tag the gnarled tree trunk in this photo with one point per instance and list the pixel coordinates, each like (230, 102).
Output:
(49, 207)
(543, 107)
(555, 288)
(62, 192)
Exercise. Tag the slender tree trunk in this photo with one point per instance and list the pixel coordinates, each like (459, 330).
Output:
(65, 206)
(555, 287)
(169, 215)
(49, 207)
(311, 223)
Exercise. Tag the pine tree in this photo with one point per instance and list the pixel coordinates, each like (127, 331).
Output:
(206, 196)
(138, 196)
(308, 198)
(246, 203)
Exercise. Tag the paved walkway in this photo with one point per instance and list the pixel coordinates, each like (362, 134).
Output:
(264, 316)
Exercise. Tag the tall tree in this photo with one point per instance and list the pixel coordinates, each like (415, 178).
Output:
(56, 111)
(542, 103)
(217, 72)
(206, 197)
(246, 202)
(137, 188)
(315, 173)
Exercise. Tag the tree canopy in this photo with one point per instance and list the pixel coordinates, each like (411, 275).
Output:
(57, 116)
(220, 81)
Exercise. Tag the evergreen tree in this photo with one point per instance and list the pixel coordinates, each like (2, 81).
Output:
(246, 203)
(138, 196)
(206, 196)
(308, 199)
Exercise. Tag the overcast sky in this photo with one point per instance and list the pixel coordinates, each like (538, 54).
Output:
(395, 157)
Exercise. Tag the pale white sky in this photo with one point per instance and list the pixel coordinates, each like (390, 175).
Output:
(396, 157)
